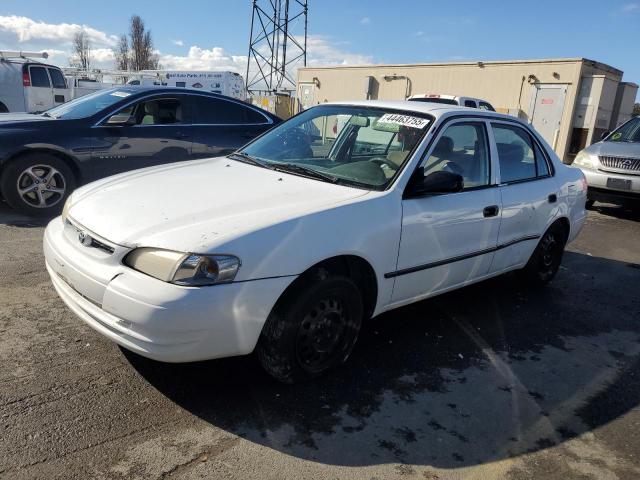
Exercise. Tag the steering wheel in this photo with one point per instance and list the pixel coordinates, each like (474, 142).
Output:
(296, 143)
(385, 161)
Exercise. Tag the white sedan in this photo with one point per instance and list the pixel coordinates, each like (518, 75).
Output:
(335, 216)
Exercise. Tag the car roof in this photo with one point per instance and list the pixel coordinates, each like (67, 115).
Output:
(435, 109)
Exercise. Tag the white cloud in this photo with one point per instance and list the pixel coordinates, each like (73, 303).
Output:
(365, 20)
(22, 33)
(631, 8)
(198, 58)
(23, 30)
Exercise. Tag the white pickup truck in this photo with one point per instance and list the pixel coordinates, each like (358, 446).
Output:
(453, 100)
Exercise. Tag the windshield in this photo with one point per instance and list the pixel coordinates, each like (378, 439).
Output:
(360, 146)
(629, 132)
(87, 105)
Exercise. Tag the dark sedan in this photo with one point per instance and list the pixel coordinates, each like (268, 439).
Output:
(43, 157)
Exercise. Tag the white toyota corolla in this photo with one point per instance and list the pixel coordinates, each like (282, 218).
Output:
(337, 215)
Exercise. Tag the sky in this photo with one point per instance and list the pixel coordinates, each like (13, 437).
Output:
(214, 34)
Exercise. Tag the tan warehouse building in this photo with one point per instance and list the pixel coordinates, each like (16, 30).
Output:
(570, 101)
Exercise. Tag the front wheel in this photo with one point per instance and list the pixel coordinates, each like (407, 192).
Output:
(37, 184)
(312, 330)
(546, 258)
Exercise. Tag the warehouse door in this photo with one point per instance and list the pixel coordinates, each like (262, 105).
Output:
(307, 95)
(547, 106)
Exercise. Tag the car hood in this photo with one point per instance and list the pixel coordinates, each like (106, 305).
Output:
(615, 149)
(195, 206)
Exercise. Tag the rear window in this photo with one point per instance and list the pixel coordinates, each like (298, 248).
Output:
(57, 78)
(39, 77)
(216, 111)
(446, 101)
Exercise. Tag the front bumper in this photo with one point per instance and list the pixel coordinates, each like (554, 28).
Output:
(598, 189)
(153, 318)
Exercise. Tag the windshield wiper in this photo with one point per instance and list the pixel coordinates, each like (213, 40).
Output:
(243, 157)
(309, 172)
(45, 114)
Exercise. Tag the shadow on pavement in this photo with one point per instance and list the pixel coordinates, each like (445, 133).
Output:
(626, 212)
(8, 216)
(485, 373)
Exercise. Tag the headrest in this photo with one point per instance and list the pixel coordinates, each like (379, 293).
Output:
(444, 146)
(151, 108)
(511, 152)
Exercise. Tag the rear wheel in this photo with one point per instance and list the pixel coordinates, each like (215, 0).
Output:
(313, 330)
(546, 258)
(37, 184)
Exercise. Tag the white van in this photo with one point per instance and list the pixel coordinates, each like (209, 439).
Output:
(453, 100)
(230, 84)
(27, 85)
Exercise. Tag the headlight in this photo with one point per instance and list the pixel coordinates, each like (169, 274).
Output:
(586, 160)
(184, 268)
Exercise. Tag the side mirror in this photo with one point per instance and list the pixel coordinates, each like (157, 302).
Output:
(434, 183)
(121, 119)
(605, 134)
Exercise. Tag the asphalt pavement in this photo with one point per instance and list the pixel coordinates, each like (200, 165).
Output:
(492, 381)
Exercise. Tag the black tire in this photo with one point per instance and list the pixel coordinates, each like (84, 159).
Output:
(47, 186)
(547, 257)
(312, 330)
(589, 204)
(3, 108)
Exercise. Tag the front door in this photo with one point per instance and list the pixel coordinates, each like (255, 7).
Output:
(547, 106)
(449, 240)
(160, 134)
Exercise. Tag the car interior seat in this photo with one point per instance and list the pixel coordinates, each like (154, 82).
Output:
(512, 164)
(151, 111)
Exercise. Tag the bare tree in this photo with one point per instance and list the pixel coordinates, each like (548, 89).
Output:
(81, 50)
(142, 56)
(121, 53)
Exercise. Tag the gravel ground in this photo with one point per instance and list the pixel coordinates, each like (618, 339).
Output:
(492, 381)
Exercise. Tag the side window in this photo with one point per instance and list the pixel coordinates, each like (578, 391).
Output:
(215, 111)
(470, 103)
(462, 149)
(255, 117)
(39, 77)
(485, 106)
(162, 111)
(541, 162)
(57, 78)
(515, 153)
(181, 84)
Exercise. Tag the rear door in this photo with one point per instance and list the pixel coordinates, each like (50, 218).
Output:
(59, 86)
(39, 93)
(528, 191)
(221, 126)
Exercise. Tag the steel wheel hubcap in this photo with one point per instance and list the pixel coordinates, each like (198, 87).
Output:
(321, 334)
(41, 186)
(548, 245)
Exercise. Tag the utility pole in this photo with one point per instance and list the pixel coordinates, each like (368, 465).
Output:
(277, 44)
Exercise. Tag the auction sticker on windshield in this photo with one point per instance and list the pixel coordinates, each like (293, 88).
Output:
(120, 94)
(404, 120)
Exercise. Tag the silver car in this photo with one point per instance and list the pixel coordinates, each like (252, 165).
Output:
(612, 166)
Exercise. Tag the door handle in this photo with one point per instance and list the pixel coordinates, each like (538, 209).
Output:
(553, 198)
(490, 211)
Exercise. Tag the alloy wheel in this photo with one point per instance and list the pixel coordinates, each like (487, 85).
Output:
(41, 186)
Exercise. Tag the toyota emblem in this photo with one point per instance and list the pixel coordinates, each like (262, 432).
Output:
(84, 239)
(627, 164)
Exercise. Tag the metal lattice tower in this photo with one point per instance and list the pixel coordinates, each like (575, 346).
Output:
(276, 44)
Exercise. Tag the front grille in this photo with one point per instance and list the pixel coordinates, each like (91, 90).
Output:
(88, 240)
(621, 163)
